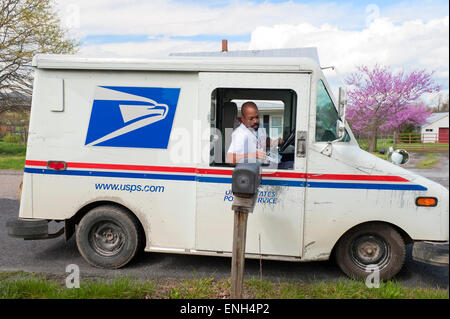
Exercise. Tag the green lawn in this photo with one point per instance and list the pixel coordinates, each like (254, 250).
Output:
(12, 156)
(12, 162)
(381, 143)
(429, 161)
(20, 285)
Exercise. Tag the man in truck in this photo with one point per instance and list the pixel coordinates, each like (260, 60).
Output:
(248, 139)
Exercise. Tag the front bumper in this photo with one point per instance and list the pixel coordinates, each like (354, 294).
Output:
(30, 229)
(431, 252)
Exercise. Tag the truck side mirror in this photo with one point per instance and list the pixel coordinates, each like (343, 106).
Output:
(246, 179)
(342, 106)
(340, 129)
(399, 157)
(342, 103)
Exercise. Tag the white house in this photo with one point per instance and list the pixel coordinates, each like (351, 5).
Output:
(435, 129)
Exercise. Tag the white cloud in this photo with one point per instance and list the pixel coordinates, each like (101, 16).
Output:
(401, 35)
(157, 48)
(410, 45)
(178, 18)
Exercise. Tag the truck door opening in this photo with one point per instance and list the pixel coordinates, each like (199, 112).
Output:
(277, 111)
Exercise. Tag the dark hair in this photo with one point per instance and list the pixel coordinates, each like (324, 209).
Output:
(247, 105)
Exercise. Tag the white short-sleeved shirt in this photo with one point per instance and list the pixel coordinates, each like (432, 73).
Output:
(246, 140)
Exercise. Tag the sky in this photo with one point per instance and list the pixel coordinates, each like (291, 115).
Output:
(403, 35)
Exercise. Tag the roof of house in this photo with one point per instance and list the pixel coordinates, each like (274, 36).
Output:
(434, 117)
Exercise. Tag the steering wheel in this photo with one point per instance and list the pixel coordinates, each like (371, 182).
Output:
(288, 141)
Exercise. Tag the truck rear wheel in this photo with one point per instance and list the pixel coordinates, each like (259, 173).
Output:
(108, 237)
(371, 247)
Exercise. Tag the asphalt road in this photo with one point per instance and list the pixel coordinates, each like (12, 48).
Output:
(53, 255)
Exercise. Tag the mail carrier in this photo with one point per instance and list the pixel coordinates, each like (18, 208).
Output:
(130, 155)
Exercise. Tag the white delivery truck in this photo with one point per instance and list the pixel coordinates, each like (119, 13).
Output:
(129, 155)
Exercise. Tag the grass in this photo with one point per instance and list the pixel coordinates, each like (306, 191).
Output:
(12, 162)
(381, 143)
(429, 161)
(385, 143)
(20, 285)
(12, 149)
(431, 158)
(342, 289)
(12, 156)
(32, 286)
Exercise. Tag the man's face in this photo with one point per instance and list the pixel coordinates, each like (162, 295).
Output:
(250, 117)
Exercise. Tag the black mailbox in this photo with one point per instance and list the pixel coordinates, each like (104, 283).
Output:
(246, 179)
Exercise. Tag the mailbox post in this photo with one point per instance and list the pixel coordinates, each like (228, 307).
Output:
(246, 179)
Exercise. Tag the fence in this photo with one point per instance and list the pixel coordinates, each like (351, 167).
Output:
(425, 142)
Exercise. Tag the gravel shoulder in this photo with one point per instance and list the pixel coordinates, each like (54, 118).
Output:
(9, 183)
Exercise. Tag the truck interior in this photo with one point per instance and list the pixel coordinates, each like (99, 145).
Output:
(277, 110)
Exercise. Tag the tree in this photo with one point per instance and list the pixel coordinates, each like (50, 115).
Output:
(381, 101)
(442, 105)
(27, 27)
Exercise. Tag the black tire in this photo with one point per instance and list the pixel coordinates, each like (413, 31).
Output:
(108, 237)
(370, 247)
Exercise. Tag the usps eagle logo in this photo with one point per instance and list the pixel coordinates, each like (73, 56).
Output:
(132, 116)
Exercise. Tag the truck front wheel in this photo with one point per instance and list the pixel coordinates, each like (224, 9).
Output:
(108, 237)
(370, 248)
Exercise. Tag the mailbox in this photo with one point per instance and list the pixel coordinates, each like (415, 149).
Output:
(246, 179)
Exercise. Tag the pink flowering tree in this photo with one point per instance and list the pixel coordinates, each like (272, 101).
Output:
(381, 101)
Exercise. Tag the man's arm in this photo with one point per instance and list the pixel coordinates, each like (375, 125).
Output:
(270, 142)
(233, 158)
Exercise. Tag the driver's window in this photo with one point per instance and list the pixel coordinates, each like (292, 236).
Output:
(277, 114)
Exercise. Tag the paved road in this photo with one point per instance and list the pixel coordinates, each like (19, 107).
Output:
(438, 173)
(9, 183)
(52, 256)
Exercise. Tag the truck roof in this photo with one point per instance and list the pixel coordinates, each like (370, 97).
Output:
(180, 64)
(308, 52)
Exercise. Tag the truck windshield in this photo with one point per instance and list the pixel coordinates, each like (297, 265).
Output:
(326, 116)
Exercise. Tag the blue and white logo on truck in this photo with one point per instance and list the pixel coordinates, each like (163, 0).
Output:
(125, 116)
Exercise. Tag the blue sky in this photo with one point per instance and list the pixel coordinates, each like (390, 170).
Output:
(358, 13)
(400, 34)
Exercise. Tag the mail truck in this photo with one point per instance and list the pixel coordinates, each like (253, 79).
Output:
(129, 155)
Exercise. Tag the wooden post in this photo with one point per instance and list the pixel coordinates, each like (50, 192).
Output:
(244, 185)
(242, 206)
(238, 257)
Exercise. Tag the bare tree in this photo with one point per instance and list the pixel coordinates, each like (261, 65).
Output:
(442, 105)
(27, 27)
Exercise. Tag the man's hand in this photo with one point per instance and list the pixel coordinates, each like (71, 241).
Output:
(274, 142)
(260, 154)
